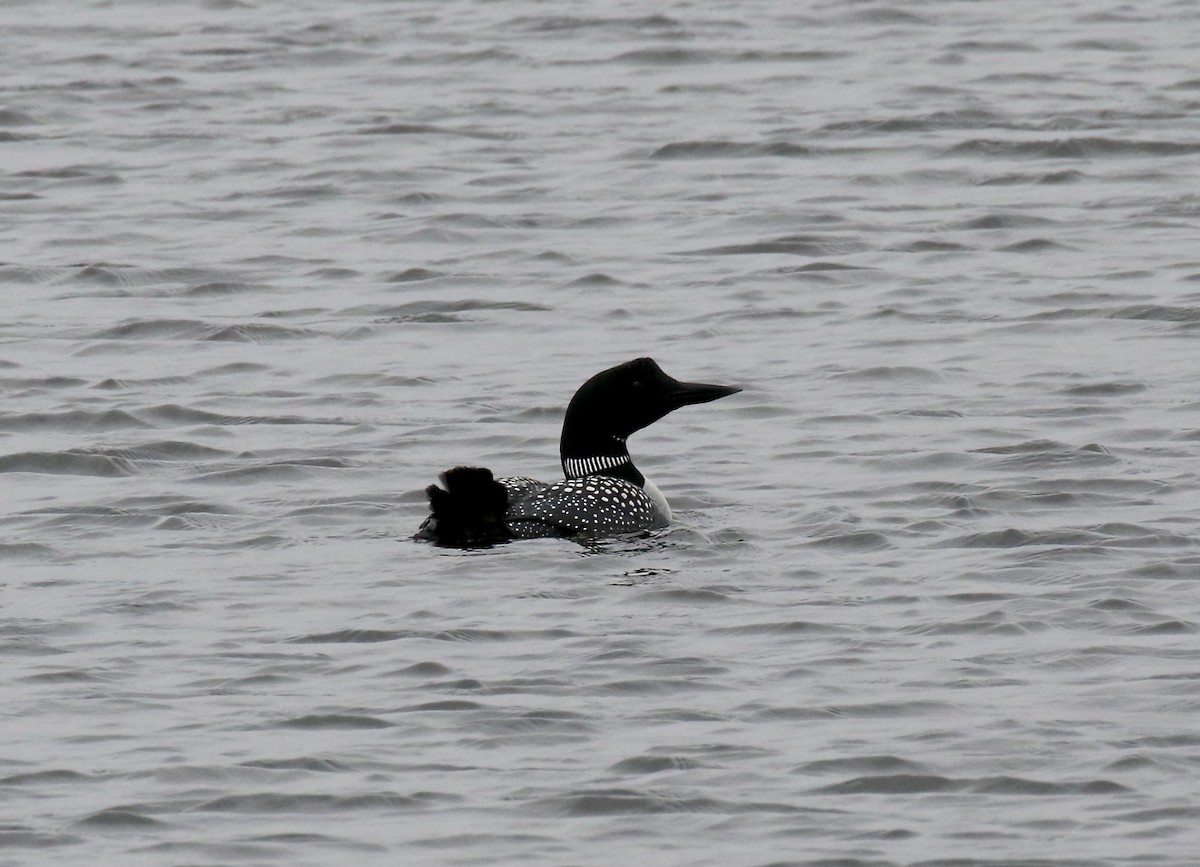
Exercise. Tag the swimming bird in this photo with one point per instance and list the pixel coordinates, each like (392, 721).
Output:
(603, 492)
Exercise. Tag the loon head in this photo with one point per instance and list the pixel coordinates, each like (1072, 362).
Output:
(621, 400)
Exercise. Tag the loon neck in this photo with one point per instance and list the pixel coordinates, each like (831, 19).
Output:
(617, 466)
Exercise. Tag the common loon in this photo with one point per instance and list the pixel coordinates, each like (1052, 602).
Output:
(603, 492)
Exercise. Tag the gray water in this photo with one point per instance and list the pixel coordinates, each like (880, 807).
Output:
(932, 592)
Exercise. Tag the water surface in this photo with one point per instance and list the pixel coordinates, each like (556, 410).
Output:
(931, 595)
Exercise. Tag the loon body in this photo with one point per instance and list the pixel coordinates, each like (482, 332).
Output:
(603, 492)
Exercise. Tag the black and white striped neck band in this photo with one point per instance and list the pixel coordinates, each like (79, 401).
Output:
(577, 468)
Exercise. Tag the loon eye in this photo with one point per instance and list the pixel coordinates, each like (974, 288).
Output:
(637, 383)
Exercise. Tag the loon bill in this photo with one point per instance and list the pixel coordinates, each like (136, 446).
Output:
(603, 492)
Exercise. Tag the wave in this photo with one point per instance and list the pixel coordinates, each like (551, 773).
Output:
(72, 421)
(430, 129)
(1100, 537)
(220, 288)
(323, 721)
(1090, 147)
(68, 463)
(938, 120)
(866, 710)
(282, 470)
(1034, 245)
(413, 275)
(277, 802)
(172, 415)
(782, 627)
(158, 416)
(860, 764)
(302, 763)
(26, 551)
(630, 802)
(353, 636)
(39, 383)
(439, 311)
(119, 817)
(37, 778)
(792, 245)
(1158, 313)
(639, 765)
(686, 596)
(895, 784)
(716, 149)
(193, 329)
(567, 23)
(1040, 454)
